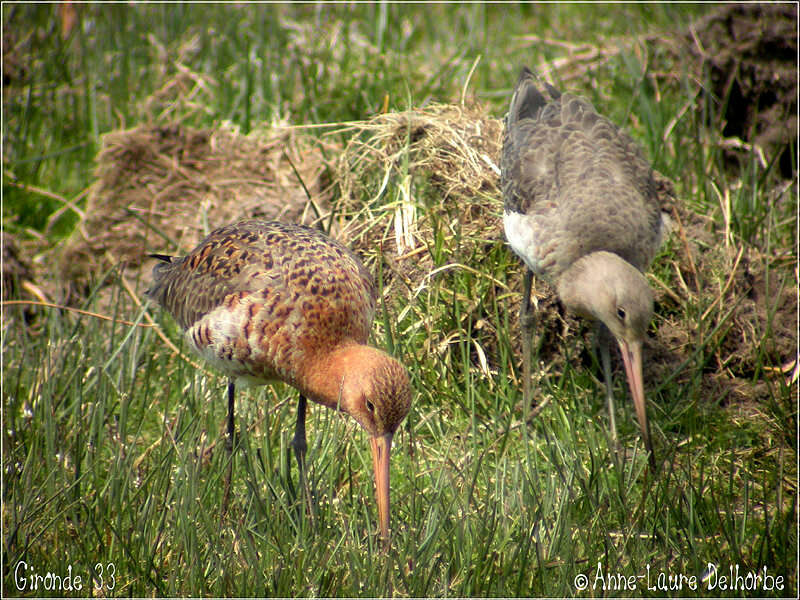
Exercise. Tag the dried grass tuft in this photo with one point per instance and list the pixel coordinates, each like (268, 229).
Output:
(437, 165)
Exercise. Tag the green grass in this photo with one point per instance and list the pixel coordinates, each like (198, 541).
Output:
(113, 447)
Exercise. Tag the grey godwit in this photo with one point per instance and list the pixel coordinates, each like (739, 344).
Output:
(264, 301)
(581, 209)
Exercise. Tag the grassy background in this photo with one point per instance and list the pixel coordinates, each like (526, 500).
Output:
(112, 450)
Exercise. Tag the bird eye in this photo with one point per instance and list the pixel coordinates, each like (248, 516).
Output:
(621, 314)
(370, 406)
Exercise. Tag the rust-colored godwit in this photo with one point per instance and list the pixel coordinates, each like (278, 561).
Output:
(581, 209)
(264, 301)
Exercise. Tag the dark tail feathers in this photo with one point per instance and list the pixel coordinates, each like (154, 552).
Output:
(527, 100)
(164, 257)
(158, 273)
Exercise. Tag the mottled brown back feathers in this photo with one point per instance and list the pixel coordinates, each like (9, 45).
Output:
(262, 299)
(277, 259)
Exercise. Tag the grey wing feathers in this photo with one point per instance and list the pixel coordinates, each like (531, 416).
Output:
(585, 180)
(529, 156)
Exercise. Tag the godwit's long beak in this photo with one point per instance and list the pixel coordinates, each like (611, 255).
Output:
(381, 447)
(632, 357)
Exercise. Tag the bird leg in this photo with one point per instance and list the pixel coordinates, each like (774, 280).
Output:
(603, 344)
(299, 446)
(231, 391)
(229, 446)
(527, 322)
(298, 442)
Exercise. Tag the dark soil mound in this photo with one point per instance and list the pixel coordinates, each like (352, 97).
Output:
(750, 54)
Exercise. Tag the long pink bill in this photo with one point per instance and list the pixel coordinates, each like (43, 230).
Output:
(381, 447)
(632, 357)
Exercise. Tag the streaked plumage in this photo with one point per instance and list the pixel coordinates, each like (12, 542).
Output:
(581, 208)
(264, 301)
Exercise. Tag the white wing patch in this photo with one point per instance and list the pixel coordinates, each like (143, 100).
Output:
(521, 235)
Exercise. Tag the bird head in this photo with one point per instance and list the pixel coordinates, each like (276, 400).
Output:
(376, 392)
(604, 286)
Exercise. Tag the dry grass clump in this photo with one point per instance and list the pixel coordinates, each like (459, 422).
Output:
(161, 188)
(438, 169)
(419, 201)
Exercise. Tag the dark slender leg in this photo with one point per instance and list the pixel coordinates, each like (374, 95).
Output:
(299, 440)
(231, 391)
(298, 443)
(527, 321)
(603, 341)
(229, 446)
